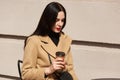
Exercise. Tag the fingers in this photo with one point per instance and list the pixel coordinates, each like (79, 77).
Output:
(58, 64)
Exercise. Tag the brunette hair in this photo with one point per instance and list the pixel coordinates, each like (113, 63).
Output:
(48, 18)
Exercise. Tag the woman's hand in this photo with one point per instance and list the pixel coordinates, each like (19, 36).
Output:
(57, 64)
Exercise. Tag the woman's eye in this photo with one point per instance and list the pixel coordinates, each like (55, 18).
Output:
(57, 20)
(63, 20)
(60, 20)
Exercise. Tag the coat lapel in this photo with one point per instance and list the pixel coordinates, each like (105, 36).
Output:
(64, 43)
(51, 48)
(48, 45)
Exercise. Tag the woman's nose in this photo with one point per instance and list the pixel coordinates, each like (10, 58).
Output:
(60, 23)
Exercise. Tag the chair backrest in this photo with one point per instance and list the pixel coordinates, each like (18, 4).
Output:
(19, 64)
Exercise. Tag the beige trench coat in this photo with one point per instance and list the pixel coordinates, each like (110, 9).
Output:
(36, 59)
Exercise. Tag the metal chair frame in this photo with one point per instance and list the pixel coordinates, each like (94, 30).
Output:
(19, 62)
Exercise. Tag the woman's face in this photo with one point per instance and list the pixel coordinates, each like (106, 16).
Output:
(59, 22)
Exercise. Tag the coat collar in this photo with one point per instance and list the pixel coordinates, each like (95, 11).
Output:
(51, 48)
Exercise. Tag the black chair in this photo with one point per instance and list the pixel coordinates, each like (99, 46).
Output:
(19, 63)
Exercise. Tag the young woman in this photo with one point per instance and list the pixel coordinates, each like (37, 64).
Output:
(39, 61)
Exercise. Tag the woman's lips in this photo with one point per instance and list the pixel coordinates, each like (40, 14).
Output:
(58, 29)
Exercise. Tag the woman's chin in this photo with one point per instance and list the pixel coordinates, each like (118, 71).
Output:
(57, 31)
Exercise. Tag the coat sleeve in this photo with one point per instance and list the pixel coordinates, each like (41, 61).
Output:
(70, 66)
(30, 69)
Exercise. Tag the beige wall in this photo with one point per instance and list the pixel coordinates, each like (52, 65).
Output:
(87, 20)
(96, 62)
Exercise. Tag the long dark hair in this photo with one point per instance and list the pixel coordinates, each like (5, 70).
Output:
(48, 19)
